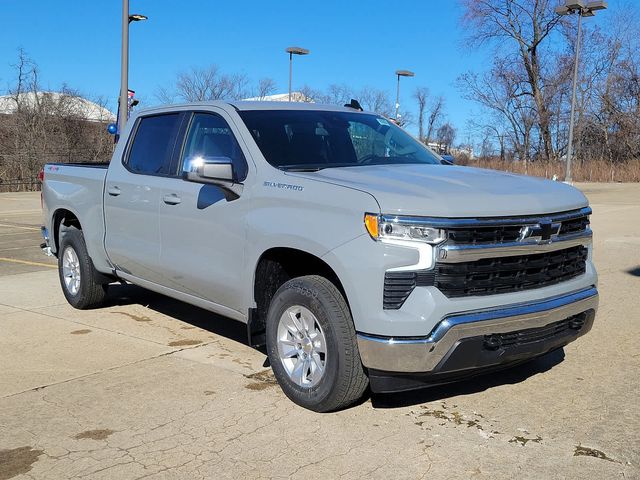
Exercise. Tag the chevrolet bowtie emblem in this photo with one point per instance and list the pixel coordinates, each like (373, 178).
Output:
(541, 232)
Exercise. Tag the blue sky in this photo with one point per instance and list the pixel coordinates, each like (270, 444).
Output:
(359, 43)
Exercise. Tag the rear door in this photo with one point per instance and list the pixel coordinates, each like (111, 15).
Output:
(203, 234)
(133, 194)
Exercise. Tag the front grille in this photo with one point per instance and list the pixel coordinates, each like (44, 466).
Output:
(488, 276)
(509, 274)
(483, 235)
(503, 233)
(495, 341)
(575, 225)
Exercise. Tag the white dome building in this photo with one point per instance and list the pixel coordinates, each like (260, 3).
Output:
(57, 103)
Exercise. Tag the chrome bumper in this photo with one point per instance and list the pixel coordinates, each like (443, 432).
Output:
(423, 354)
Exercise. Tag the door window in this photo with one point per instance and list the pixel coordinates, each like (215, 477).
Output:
(153, 144)
(210, 136)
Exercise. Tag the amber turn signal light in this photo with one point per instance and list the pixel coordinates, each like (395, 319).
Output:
(371, 222)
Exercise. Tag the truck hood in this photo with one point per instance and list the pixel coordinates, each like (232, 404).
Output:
(453, 191)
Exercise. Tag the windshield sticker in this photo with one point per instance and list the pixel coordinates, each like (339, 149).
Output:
(284, 186)
(382, 121)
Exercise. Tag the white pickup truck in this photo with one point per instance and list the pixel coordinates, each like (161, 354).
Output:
(344, 244)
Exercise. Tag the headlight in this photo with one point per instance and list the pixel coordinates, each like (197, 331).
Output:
(381, 228)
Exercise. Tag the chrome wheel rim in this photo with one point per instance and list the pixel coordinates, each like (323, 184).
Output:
(71, 270)
(302, 346)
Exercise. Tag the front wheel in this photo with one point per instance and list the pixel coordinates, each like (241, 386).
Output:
(77, 273)
(311, 343)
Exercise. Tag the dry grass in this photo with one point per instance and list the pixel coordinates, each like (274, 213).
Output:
(593, 171)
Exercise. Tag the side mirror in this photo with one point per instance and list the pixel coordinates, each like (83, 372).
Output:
(214, 170)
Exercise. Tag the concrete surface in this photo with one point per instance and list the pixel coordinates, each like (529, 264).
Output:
(150, 387)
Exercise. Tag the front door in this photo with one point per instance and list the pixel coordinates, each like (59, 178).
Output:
(203, 235)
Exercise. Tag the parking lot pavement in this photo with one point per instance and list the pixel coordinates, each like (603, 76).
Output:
(148, 386)
(20, 220)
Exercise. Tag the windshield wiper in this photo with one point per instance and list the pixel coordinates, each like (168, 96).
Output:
(302, 169)
(315, 167)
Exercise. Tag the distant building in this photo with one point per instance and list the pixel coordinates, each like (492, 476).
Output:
(57, 103)
(442, 149)
(282, 97)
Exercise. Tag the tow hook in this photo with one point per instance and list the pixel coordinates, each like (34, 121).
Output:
(492, 342)
(46, 249)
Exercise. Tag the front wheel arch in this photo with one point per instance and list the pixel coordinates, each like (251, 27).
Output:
(275, 267)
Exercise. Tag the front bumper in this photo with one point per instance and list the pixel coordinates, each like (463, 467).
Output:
(463, 342)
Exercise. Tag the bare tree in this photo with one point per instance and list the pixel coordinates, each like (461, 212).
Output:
(503, 91)
(310, 95)
(209, 83)
(338, 94)
(376, 100)
(266, 87)
(525, 24)
(435, 113)
(421, 95)
(41, 126)
(446, 135)
(165, 95)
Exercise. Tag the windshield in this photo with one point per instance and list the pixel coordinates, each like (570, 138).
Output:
(312, 139)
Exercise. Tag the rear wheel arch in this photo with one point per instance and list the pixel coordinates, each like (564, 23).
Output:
(82, 285)
(63, 218)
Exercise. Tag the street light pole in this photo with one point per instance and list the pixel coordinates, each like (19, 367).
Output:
(123, 102)
(124, 68)
(401, 73)
(290, 72)
(588, 10)
(294, 51)
(567, 177)
(398, 96)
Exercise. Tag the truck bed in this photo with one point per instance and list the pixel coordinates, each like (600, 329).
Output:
(77, 188)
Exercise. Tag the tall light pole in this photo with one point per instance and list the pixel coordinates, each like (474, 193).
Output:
(401, 73)
(294, 51)
(124, 67)
(583, 9)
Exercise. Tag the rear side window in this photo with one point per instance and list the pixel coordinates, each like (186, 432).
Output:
(153, 144)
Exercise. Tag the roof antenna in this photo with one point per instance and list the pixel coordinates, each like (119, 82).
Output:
(355, 104)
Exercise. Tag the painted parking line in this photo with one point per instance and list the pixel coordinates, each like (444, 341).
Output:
(12, 213)
(3, 234)
(27, 262)
(19, 226)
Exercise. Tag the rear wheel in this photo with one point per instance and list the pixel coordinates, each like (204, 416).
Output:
(77, 273)
(311, 343)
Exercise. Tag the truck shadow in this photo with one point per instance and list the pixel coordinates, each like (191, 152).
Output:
(237, 331)
(634, 271)
(183, 312)
(472, 385)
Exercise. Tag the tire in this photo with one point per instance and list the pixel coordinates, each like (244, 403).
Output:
(77, 273)
(321, 369)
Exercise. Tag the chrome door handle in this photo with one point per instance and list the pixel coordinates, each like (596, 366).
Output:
(114, 191)
(172, 199)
